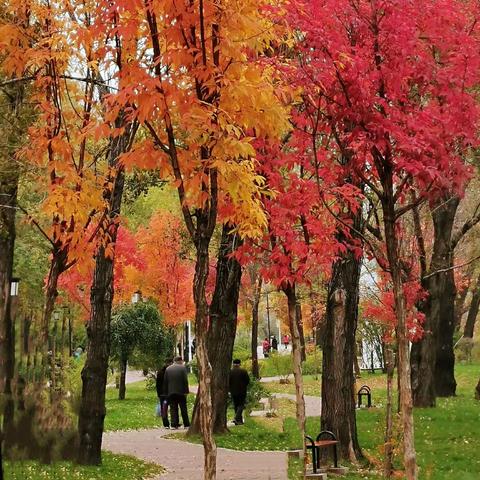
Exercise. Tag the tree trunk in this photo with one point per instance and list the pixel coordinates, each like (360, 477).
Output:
(473, 311)
(204, 407)
(8, 199)
(13, 127)
(123, 375)
(223, 327)
(294, 321)
(388, 461)
(388, 207)
(477, 391)
(444, 299)
(338, 379)
(460, 300)
(439, 310)
(57, 267)
(255, 305)
(94, 373)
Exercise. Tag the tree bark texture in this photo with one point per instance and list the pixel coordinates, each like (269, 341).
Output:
(57, 267)
(434, 349)
(222, 330)
(477, 391)
(8, 199)
(473, 311)
(294, 322)
(123, 375)
(391, 240)
(443, 293)
(9, 178)
(338, 379)
(94, 373)
(461, 299)
(204, 410)
(388, 460)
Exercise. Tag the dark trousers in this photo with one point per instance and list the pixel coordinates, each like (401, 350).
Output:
(175, 400)
(164, 410)
(238, 406)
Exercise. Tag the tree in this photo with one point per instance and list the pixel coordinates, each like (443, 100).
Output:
(401, 114)
(138, 327)
(203, 66)
(473, 310)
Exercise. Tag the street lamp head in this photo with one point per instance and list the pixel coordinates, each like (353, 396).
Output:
(56, 315)
(137, 296)
(14, 282)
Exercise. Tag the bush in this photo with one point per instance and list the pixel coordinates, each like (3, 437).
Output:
(282, 364)
(255, 392)
(313, 363)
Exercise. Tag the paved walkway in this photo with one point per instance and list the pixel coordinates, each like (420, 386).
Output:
(132, 376)
(184, 461)
(313, 404)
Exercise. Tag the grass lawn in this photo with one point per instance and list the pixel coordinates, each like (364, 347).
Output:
(136, 411)
(447, 437)
(117, 467)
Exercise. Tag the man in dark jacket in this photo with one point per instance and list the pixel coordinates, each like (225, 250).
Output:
(161, 394)
(238, 384)
(175, 385)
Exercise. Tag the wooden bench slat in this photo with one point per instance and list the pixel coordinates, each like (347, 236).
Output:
(325, 443)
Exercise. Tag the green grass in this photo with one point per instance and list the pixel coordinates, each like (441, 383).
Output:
(117, 467)
(253, 435)
(446, 437)
(136, 411)
(312, 385)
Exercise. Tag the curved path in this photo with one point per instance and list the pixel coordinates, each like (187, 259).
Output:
(184, 461)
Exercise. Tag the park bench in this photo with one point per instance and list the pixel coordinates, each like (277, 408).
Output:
(319, 443)
(364, 391)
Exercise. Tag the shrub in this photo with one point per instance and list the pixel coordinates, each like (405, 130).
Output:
(255, 392)
(313, 363)
(282, 364)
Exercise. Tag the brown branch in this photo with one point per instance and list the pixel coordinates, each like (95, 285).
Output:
(467, 226)
(443, 270)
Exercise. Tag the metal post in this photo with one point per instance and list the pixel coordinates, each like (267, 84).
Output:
(70, 352)
(268, 317)
(186, 344)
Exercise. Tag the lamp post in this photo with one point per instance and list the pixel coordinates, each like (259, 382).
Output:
(268, 316)
(14, 287)
(14, 284)
(65, 316)
(136, 297)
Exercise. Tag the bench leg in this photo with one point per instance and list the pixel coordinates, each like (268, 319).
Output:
(314, 459)
(335, 457)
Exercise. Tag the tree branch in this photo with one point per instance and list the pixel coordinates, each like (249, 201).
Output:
(467, 226)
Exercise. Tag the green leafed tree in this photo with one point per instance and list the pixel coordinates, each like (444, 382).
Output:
(139, 330)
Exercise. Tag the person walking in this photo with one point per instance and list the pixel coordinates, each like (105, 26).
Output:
(162, 394)
(238, 384)
(274, 343)
(266, 347)
(176, 387)
(286, 341)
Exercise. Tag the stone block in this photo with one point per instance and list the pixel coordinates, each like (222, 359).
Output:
(338, 470)
(315, 476)
(295, 453)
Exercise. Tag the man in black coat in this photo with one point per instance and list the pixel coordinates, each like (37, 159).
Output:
(175, 385)
(161, 393)
(238, 384)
